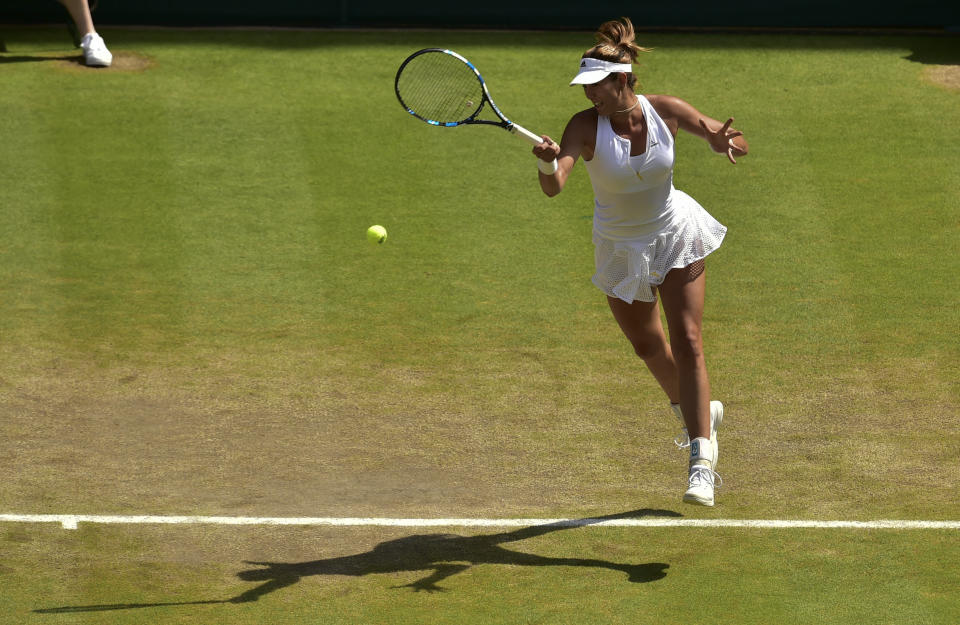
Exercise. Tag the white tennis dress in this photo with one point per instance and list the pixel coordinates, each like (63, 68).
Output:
(642, 226)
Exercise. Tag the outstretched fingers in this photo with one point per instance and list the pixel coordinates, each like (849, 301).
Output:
(730, 152)
(723, 133)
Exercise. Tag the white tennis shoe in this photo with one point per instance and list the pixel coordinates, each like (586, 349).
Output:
(716, 418)
(702, 478)
(701, 485)
(95, 53)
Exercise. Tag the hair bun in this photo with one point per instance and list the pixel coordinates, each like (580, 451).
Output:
(616, 41)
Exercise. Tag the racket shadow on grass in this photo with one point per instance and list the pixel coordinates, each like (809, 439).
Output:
(441, 555)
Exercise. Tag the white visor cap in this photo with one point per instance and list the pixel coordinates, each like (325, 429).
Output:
(595, 70)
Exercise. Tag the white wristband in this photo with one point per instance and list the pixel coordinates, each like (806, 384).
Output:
(547, 168)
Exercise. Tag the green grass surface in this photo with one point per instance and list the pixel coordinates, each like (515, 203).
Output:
(183, 575)
(191, 322)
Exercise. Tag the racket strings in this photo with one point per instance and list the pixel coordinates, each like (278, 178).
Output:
(440, 88)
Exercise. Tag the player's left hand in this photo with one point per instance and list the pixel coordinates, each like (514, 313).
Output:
(722, 140)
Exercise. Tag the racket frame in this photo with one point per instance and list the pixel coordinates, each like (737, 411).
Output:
(504, 123)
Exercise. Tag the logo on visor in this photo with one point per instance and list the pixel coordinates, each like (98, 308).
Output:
(583, 63)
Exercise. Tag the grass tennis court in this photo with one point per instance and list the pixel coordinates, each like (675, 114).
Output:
(192, 323)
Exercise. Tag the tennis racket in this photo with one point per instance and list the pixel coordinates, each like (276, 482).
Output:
(444, 89)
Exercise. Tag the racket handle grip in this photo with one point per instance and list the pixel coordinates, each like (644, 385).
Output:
(519, 130)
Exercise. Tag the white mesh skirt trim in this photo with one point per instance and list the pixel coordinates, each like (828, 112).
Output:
(629, 270)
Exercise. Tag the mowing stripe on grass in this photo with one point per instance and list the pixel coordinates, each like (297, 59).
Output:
(70, 521)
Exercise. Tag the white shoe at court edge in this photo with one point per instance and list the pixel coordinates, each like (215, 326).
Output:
(95, 53)
(702, 477)
(716, 418)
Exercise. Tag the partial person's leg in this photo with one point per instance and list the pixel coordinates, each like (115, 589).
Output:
(95, 52)
(80, 12)
(640, 323)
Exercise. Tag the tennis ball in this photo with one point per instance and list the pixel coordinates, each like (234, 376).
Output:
(376, 234)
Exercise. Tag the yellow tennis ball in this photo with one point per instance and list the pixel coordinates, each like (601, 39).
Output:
(376, 234)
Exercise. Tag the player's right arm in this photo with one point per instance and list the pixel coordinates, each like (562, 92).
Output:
(579, 130)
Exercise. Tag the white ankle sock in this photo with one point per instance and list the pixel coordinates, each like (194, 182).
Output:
(701, 449)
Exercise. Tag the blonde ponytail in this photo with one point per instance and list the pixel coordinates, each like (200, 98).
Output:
(616, 42)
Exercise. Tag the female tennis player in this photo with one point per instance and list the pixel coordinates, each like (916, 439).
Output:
(649, 237)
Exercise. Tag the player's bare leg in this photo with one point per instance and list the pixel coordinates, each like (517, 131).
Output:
(640, 323)
(682, 294)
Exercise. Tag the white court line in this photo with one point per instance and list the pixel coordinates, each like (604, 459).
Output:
(70, 521)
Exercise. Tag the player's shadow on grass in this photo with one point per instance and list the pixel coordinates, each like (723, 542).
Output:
(445, 555)
(442, 555)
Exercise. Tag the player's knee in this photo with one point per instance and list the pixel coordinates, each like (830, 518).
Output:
(687, 346)
(647, 347)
